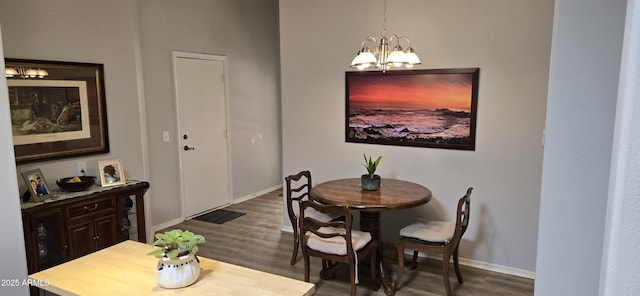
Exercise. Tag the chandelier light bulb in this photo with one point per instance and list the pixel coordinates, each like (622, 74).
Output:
(382, 58)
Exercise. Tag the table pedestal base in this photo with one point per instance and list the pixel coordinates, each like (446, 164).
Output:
(370, 222)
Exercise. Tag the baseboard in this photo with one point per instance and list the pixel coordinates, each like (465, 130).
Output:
(484, 265)
(254, 195)
(499, 268)
(463, 261)
(164, 225)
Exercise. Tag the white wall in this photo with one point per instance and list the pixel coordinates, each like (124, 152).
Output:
(509, 41)
(621, 264)
(15, 265)
(585, 65)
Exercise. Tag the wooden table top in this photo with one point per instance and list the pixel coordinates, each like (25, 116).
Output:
(125, 269)
(393, 194)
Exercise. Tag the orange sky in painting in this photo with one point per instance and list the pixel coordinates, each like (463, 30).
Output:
(429, 91)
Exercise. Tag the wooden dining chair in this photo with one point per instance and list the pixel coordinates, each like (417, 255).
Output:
(439, 237)
(298, 187)
(335, 242)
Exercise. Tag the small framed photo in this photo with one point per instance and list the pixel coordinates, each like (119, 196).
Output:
(111, 172)
(37, 185)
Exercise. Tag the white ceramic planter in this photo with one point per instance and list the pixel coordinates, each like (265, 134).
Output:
(180, 272)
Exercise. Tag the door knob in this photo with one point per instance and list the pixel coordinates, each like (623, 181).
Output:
(187, 148)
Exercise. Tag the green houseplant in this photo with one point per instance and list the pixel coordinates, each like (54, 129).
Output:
(370, 181)
(176, 243)
(178, 265)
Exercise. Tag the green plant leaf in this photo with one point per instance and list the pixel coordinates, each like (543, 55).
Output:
(174, 241)
(158, 252)
(371, 165)
(172, 254)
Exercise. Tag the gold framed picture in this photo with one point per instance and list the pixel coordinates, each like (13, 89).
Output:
(111, 172)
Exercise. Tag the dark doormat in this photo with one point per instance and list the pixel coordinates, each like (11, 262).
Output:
(219, 216)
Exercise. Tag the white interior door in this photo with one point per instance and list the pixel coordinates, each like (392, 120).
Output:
(201, 95)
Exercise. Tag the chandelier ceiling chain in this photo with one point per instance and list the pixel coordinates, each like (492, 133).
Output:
(384, 19)
(383, 58)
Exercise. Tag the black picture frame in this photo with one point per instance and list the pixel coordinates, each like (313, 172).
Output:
(60, 115)
(435, 108)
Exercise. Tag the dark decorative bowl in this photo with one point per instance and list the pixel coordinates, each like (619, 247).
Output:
(84, 184)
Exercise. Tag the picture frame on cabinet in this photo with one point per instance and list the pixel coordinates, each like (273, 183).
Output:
(111, 172)
(37, 185)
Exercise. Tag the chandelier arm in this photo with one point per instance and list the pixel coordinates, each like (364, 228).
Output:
(408, 40)
(394, 36)
(368, 39)
(399, 38)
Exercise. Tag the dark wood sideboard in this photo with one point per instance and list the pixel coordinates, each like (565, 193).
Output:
(74, 224)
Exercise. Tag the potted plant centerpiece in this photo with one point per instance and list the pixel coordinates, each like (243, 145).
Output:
(370, 181)
(178, 265)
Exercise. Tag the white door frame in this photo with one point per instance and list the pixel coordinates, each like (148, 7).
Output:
(223, 59)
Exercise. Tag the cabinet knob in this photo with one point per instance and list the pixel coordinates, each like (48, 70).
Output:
(65, 247)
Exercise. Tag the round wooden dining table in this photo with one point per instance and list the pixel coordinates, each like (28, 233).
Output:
(393, 195)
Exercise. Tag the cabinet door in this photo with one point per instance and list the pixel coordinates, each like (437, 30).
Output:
(81, 239)
(106, 231)
(44, 240)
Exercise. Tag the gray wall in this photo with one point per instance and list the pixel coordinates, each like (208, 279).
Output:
(134, 40)
(84, 31)
(585, 65)
(510, 41)
(247, 33)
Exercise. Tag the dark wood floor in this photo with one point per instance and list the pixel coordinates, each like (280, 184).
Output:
(255, 241)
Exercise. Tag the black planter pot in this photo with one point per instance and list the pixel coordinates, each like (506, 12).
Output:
(370, 184)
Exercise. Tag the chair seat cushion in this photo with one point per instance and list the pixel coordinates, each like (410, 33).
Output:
(337, 245)
(432, 231)
(323, 217)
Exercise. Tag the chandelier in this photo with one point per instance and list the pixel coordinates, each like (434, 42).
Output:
(383, 57)
(21, 72)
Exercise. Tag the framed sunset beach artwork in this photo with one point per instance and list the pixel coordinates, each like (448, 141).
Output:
(423, 108)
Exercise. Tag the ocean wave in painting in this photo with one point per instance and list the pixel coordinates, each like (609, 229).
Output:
(418, 125)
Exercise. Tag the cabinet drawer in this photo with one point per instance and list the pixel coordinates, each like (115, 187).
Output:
(91, 207)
